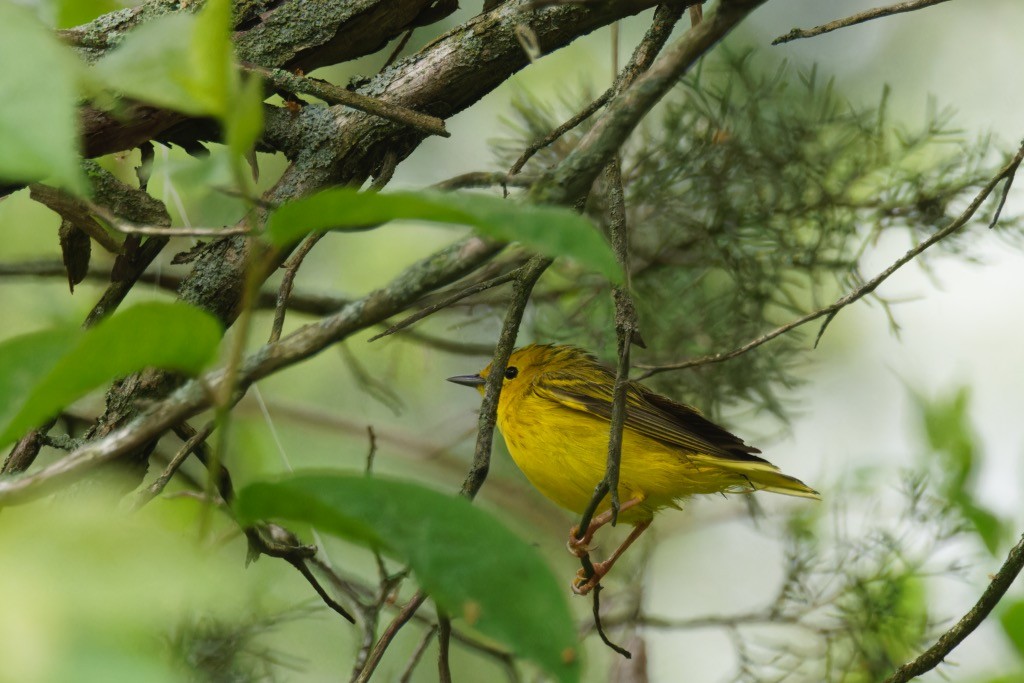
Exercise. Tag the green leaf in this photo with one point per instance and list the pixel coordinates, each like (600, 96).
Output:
(178, 61)
(553, 231)
(469, 563)
(38, 119)
(214, 80)
(42, 373)
(245, 118)
(990, 528)
(153, 65)
(1012, 619)
(25, 360)
(949, 433)
(952, 440)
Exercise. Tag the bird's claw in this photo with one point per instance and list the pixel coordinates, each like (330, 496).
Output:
(583, 584)
(579, 547)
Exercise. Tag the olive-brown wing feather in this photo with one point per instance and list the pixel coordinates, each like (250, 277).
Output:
(648, 413)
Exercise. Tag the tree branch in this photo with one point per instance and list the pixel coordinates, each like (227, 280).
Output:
(855, 19)
(521, 288)
(574, 176)
(435, 271)
(332, 94)
(933, 656)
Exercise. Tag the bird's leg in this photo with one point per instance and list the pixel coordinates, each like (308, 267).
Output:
(581, 546)
(583, 584)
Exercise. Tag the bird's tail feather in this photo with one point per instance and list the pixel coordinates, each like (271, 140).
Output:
(763, 476)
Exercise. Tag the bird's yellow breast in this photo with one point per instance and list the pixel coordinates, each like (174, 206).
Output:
(563, 452)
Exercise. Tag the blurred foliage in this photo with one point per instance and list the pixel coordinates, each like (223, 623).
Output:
(859, 574)
(855, 594)
(211, 650)
(953, 446)
(95, 600)
(749, 203)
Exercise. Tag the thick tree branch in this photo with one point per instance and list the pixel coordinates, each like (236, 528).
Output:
(291, 34)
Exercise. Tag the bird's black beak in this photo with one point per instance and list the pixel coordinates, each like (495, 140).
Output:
(468, 380)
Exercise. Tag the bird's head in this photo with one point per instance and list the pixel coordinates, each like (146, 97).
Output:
(525, 365)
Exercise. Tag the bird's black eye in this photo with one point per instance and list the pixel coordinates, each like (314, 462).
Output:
(511, 372)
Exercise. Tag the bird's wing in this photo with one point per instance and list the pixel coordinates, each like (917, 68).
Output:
(648, 413)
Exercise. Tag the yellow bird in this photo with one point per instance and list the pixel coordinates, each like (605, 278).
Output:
(555, 412)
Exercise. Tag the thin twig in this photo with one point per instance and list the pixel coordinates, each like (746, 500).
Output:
(626, 329)
(767, 616)
(665, 18)
(417, 655)
(291, 267)
(402, 42)
(859, 18)
(574, 175)
(447, 301)
(600, 628)
(130, 228)
(400, 620)
(372, 452)
(332, 94)
(300, 564)
(829, 312)
(76, 211)
(521, 288)
(933, 656)
(1011, 174)
(485, 179)
(444, 637)
(154, 489)
(577, 119)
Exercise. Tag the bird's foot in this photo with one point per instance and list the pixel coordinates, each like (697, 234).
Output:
(583, 584)
(580, 547)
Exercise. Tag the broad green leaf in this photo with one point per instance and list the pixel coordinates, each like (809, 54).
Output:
(468, 562)
(38, 119)
(68, 363)
(1012, 620)
(178, 61)
(552, 231)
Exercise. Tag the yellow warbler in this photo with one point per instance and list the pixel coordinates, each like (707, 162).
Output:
(555, 412)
